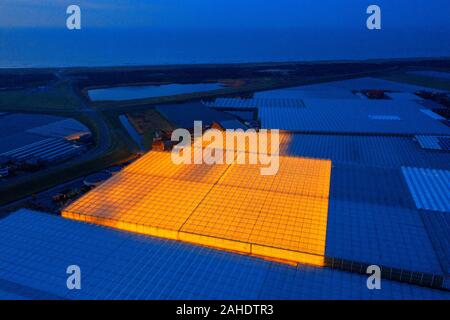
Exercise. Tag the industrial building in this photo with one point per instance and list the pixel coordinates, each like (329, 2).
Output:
(35, 141)
(47, 150)
(361, 182)
(184, 115)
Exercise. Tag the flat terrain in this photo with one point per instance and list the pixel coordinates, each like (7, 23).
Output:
(363, 178)
(64, 92)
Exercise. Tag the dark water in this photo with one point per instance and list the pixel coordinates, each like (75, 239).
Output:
(97, 47)
(139, 92)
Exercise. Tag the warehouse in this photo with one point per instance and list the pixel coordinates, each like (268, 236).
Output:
(68, 129)
(31, 142)
(48, 150)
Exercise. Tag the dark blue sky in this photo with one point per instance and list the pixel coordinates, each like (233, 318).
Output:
(427, 14)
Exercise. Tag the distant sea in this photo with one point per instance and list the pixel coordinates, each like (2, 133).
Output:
(123, 47)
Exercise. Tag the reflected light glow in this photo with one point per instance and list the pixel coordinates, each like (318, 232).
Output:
(229, 207)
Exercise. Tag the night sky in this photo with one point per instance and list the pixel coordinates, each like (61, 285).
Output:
(226, 14)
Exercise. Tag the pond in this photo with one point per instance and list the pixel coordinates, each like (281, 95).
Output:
(142, 92)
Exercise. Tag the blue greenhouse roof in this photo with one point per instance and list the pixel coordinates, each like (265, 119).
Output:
(430, 188)
(438, 226)
(120, 265)
(353, 116)
(344, 90)
(388, 204)
(377, 151)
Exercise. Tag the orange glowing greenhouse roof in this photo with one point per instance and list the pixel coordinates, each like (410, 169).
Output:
(231, 207)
